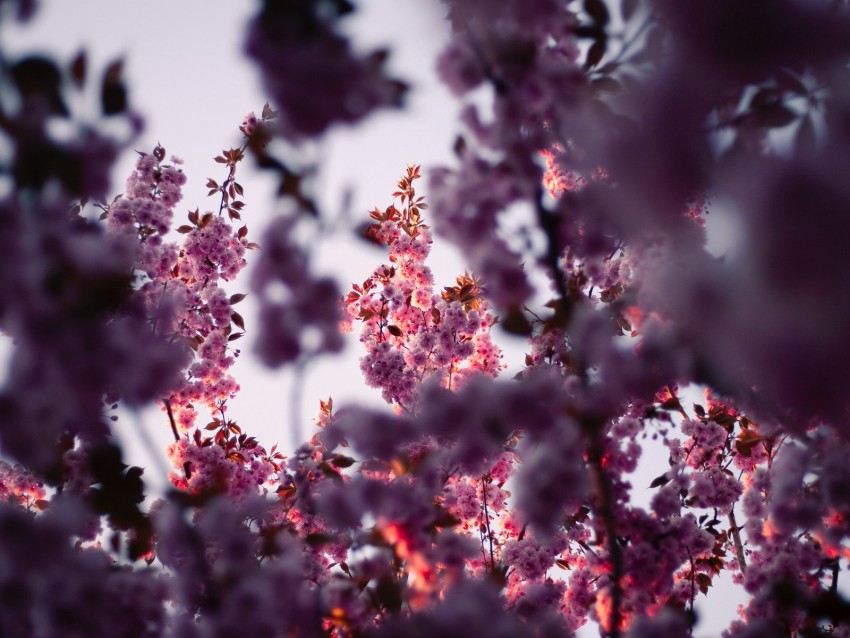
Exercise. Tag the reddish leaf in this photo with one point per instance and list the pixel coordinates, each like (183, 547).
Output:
(597, 11)
(659, 481)
(78, 69)
(113, 94)
(342, 461)
(595, 54)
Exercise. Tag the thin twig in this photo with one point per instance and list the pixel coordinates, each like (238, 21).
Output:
(693, 581)
(609, 520)
(186, 469)
(549, 222)
(167, 403)
(736, 539)
(487, 521)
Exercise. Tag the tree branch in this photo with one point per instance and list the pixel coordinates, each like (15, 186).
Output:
(736, 539)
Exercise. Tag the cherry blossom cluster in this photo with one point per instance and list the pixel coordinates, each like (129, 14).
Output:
(180, 287)
(413, 336)
(179, 283)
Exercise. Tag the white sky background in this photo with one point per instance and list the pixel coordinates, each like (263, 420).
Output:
(190, 81)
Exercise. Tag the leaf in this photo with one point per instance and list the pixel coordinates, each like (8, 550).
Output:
(746, 441)
(237, 319)
(703, 582)
(723, 418)
(445, 520)
(268, 112)
(589, 31)
(776, 117)
(597, 11)
(185, 229)
(340, 460)
(560, 562)
(235, 299)
(78, 69)
(37, 76)
(595, 54)
(672, 404)
(660, 481)
(394, 331)
(459, 147)
(113, 94)
(515, 322)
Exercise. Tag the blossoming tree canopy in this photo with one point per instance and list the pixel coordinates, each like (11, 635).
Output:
(597, 140)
